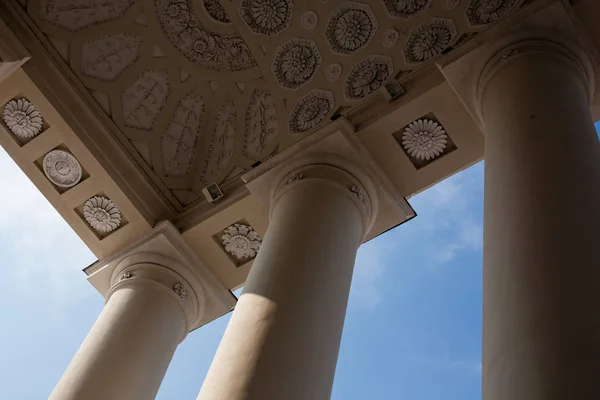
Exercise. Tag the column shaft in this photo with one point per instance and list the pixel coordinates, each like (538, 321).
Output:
(541, 319)
(284, 335)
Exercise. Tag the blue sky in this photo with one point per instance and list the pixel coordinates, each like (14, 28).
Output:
(413, 327)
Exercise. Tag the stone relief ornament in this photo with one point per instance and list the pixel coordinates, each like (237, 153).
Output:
(74, 15)
(294, 178)
(483, 12)
(62, 168)
(106, 57)
(451, 4)
(267, 17)
(126, 275)
(406, 8)
(429, 40)
(424, 139)
(102, 214)
(296, 62)
(351, 27)
(211, 50)
(358, 193)
(309, 20)
(180, 291)
(390, 37)
(241, 241)
(180, 138)
(261, 124)
(22, 118)
(310, 111)
(220, 149)
(144, 99)
(216, 11)
(367, 76)
(333, 71)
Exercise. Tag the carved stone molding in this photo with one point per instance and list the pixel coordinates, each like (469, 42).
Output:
(62, 168)
(428, 40)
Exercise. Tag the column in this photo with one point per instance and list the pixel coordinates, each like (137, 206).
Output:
(283, 338)
(127, 352)
(541, 293)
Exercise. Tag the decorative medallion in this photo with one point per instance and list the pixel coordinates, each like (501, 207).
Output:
(180, 138)
(429, 40)
(296, 62)
(451, 4)
(62, 168)
(211, 50)
(22, 118)
(180, 291)
(267, 17)
(310, 111)
(351, 27)
(216, 11)
(390, 37)
(309, 20)
(74, 15)
(106, 57)
(483, 12)
(220, 149)
(406, 8)
(261, 124)
(358, 193)
(144, 99)
(102, 214)
(241, 241)
(333, 71)
(367, 76)
(424, 139)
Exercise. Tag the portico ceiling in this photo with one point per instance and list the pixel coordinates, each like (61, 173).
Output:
(203, 89)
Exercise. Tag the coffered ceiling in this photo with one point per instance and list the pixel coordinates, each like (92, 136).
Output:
(204, 89)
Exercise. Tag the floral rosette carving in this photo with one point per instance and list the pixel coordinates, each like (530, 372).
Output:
(22, 118)
(62, 168)
(296, 63)
(241, 241)
(102, 214)
(424, 139)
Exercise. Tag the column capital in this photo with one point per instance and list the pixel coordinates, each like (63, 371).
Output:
(338, 177)
(158, 271)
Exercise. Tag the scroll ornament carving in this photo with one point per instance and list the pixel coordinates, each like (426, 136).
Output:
(261, 124)
(61, 168)
(351, 27)
(216, 11)
(368, 76)
(310, 111)
(75, 15)
(429, 40)
(424, 139)
(406, 8)
(358, 193)
(220, 149)
(106, 57)
(180, 139)
(483, 12)
(241, 241)
(296, 63)
(267, 17)
(102, 214)
(211, 50)
(22, 118)
(144, 99)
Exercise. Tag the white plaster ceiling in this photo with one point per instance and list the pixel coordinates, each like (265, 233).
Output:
(204, 89)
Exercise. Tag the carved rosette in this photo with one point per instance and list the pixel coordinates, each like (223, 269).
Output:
(62, 168)
(220, 149)
(428, 40)
(309, 20)
(296, 63)
(180, 138)
(334, 70)
(22, 118)
(351, 27)
(310, 111)
(390, 37)
(102, 214)
(261, 124)
(483, 12)
(106, 57)
(267, 17)
(144, 99)
(368, 76)
(216, 11)
(406, 8)
(241, 241)
(424, 139)
(76, 15)
(208, 49)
